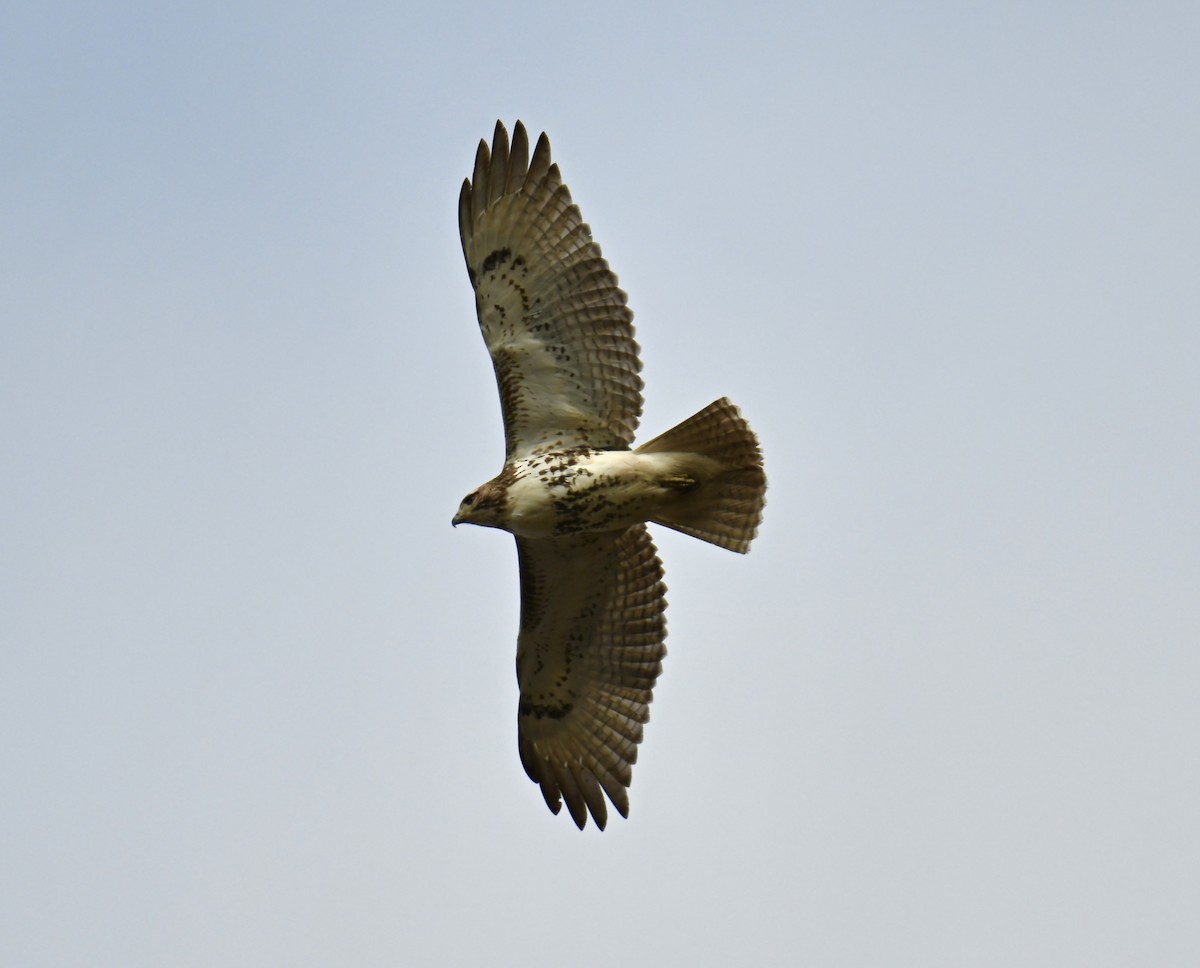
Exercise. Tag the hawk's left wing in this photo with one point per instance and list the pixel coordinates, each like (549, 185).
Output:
(589, 652)
(553, 318)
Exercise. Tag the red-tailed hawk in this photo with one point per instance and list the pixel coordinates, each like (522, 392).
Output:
(572, 491)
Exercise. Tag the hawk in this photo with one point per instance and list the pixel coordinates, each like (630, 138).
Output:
(574, 491)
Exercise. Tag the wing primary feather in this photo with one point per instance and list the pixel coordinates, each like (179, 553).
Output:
(518, 159)
(593, 796)
(537, 769)
(576, 805)
(539, 164)
(603, 771)
(617, 794)
(479, 180)
(550, 794)
(498, 168)
(464, 220)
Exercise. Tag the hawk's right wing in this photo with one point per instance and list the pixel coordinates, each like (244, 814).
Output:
(555, 323)
(589, 652)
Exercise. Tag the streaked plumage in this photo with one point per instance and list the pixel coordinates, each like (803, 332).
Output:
(572, 491)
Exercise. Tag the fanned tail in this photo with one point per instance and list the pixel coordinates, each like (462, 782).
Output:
(722, 486)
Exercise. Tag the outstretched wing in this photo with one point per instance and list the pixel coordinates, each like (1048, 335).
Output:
(589, 652)
(555, 323)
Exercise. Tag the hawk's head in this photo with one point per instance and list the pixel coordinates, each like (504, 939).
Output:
(485, 506)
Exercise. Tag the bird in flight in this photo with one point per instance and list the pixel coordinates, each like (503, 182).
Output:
(574, 491)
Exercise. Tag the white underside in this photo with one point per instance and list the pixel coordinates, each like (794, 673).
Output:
(627, 483)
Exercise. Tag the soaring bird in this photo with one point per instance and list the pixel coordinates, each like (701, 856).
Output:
(574, 491)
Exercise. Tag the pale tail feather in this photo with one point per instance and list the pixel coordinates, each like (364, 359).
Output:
(723, 502)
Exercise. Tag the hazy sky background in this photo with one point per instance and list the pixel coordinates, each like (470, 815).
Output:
(257, 701)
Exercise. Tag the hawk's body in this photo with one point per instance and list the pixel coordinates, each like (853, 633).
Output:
(572, 491)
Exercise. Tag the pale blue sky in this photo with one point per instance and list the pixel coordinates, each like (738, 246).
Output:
(257, 703)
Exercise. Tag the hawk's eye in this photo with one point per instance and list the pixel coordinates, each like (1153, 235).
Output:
(470, 498)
